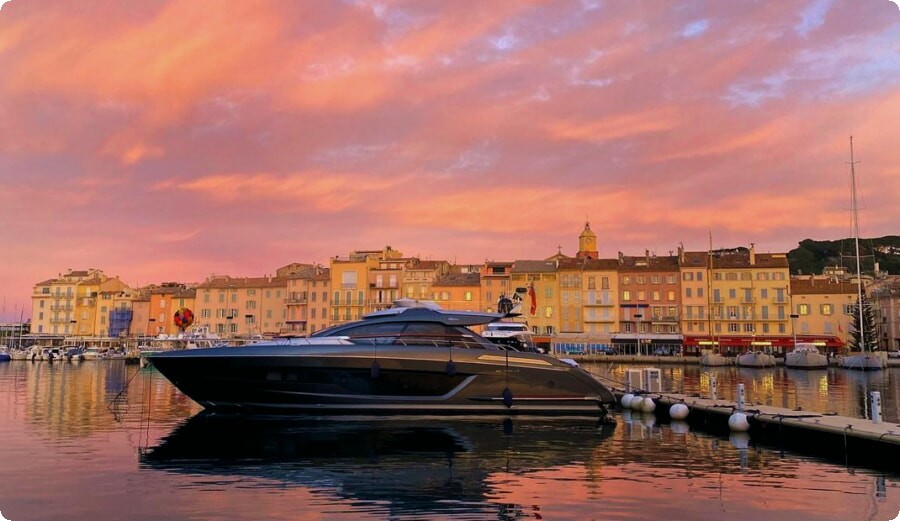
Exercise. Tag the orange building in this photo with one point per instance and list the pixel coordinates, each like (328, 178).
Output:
(458, 291)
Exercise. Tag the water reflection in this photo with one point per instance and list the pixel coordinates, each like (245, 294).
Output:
(831, 390)
(422, 466)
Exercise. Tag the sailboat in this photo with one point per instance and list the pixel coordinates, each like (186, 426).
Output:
(864, 359)
(805, 356)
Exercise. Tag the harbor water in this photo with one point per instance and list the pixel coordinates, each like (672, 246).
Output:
(110, 441)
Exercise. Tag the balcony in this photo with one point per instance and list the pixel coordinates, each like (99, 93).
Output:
(295, 301)
(62, 308)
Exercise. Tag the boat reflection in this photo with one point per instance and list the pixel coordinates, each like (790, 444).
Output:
(405, 465)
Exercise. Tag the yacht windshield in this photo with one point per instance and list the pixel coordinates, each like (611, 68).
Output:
(406, 333)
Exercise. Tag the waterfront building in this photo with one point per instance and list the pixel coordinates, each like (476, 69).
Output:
(298, 297)
(307, 298)
(113, 308)
(319, 291)
(53, 302)
(649, 304)
(141, 326)
(600, 287)
(420, 275)
(458, 291)
(693, 269)
(350, 284)
(165, 299)
(245, 307)
(540, 307)
(748, 304)
(384, 281)
(495, 283)
(885, 298)
(822, 311)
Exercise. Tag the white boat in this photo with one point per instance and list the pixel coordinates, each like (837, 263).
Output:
(756, 359)
(865, 359)
(805, 356)
(713, 359)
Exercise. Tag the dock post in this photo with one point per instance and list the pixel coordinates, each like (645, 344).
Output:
(740, 397)
(875, 404)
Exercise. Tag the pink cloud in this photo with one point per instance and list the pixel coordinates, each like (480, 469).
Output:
(292, 131)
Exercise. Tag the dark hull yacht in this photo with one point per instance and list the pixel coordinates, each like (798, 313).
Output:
(403, 360)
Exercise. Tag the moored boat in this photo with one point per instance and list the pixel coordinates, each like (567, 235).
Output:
(755, 359)
(402, 360)
(805, 356)
(713, 359)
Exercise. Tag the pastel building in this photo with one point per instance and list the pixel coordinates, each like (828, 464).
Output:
(495, 281)
(246, 307)
(541, 304)
(458, 291)
(301, 299)
(54, 302)
(420, 275)
(649, 302)
(822, 311)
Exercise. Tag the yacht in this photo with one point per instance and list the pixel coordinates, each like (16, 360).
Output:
(805, 356)
(512, 334)
(414, 358)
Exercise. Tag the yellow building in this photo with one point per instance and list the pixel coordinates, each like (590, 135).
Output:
(53, 302)
(540, 307)
(748, 298)
(600, 286)
(245, 307)
(113, 295)
(319, 291)
(693, 269)
(354, 283)
(299, 296)
(495, 283)
(458, 291)
(822, 310)
(420, 275)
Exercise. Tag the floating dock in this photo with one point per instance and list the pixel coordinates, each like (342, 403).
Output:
(852, 441)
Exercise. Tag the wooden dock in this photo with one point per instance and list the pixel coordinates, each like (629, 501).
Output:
(852, 441)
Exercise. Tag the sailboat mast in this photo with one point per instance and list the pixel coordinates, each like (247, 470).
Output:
(855, 210)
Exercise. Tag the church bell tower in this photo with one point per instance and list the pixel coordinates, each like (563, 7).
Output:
(587, 243)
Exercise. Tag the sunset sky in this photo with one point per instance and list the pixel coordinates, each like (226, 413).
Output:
(166, 140)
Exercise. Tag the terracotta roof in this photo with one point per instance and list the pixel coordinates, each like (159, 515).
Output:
(805, 286)
(742, 260)
(695, 259)
(325, 274)
(458, 279)
(427, 265)
(654, 264)
(243, 282)
(46, 282)
(534, 266)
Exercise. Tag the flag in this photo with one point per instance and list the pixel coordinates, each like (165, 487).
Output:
(533, 298)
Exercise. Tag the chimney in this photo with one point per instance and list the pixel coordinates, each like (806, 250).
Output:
(752, 254)
(647, 256)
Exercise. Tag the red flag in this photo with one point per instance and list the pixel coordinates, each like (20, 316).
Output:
(533, 299)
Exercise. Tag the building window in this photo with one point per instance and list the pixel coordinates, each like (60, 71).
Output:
(803, 309)
(626, 295)
(548, 312)
(468, 296)
(827, 309)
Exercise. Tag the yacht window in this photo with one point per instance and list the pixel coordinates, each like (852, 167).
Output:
(374, 333)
